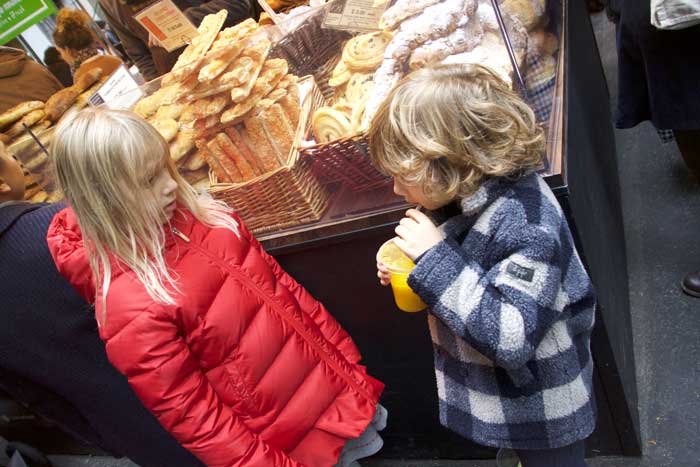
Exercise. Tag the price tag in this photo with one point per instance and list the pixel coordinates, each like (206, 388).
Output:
(120, 91)
(355, 15)
(167, 24)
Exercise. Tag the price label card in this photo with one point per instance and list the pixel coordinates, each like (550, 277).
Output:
(167, 24)
(355, 15)
(120, 91)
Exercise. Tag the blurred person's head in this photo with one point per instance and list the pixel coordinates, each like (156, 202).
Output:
(73, 35)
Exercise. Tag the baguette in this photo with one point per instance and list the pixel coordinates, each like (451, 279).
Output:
(267, 154)
(224, 161)
(279, 131)
(214, 165)
(291, 108)
(244, 149)
(30, 119)
(60, 102)
(20, 110)
(229, 148)
(87, 79)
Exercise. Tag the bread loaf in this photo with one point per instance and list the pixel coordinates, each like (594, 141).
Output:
(20, 110)
(60, 102)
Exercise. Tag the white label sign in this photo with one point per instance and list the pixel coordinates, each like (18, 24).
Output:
(120, 91)
(355, 15)
(167, 25)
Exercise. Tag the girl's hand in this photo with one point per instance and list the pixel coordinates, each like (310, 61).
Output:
(417, 234)
(383, 274)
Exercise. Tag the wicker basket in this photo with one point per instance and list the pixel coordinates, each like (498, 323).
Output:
(314, 50)
(288, 196)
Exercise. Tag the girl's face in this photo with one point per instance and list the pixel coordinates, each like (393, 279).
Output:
(164, 190)
(414, 195)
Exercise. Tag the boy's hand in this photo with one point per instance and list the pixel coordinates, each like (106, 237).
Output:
(417, 234)
(383, 274)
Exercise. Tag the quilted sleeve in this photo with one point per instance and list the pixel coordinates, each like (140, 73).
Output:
(504, 312)
(330, 328)
(154, 357)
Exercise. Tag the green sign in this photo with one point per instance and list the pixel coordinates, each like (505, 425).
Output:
(18, 15)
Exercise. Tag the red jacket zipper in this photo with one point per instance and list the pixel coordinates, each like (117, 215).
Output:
(280, 311)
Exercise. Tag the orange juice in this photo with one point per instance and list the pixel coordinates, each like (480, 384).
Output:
(400, 267)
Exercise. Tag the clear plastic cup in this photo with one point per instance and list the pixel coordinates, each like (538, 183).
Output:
(400, 266)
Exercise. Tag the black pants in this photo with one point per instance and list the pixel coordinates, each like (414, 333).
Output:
(567, 456)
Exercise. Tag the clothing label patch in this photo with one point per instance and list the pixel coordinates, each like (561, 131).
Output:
(520, 272)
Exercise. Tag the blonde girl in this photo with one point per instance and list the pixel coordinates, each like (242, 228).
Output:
(233, 357)
(510, 305)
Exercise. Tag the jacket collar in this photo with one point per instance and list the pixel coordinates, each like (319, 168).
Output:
(12, 210)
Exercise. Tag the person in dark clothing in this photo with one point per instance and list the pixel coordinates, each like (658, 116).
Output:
(58, 66)
(22, 79)
(51, 357)
(153, 60)
(658, 81)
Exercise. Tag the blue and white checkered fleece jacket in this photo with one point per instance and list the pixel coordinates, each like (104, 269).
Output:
(511, 315)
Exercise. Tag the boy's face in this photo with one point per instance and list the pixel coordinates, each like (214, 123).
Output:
(11, 177)
(414, 195)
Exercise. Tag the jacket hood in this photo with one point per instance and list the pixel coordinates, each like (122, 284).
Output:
(12, 61)
(65, 243)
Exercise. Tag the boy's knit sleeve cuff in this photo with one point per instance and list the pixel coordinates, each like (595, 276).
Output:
(437, 268)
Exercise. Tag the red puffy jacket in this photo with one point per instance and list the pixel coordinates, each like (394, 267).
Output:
(247, 369)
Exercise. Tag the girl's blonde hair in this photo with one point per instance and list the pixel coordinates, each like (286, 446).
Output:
(450, 127)
(104, 162)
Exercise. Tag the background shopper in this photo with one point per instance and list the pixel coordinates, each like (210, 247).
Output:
(77, 44)
(59, 67)
(22, 79)
(658, 81)
(151, 59)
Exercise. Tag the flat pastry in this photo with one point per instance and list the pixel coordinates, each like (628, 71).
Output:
(218, 65)
(208, 30)
(183, 144)
(366, 51)
(167, 128)
(291, 107)
(329, 124)
(258, 50)
(172, 111)
(149, 104)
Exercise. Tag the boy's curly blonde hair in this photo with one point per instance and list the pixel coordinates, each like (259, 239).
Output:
(448, 128)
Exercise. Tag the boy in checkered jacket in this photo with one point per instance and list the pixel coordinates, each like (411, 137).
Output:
(511, 307)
